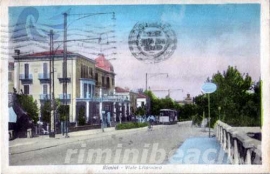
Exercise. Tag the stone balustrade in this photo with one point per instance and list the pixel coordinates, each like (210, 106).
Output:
(241, 148)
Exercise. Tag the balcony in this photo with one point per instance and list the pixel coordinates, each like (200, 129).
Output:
(44, 97)
(26, 78)
(44, 78)
(62, 79)
(64, 96)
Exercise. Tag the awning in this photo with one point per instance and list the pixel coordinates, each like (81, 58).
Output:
(12, 115)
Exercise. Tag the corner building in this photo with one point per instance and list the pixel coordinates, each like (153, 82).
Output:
(90, 83)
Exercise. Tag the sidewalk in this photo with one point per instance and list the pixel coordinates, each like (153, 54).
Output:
(21, 145)
(200, 150)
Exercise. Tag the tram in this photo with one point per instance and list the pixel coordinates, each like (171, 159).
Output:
(168, 116)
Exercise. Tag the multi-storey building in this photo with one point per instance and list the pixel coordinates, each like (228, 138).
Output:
(90, 83)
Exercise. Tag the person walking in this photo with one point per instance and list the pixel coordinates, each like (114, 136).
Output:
(150, 124)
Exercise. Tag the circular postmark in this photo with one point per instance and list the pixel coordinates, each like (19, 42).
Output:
(152, 42)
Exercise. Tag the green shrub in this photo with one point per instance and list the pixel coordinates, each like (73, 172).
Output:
(130, 125)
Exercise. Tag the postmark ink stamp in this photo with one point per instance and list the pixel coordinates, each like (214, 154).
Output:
(152, 42)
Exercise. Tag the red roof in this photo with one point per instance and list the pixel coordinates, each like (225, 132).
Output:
(47, 53)
(103, 63)
(120, 90)
(141, 96)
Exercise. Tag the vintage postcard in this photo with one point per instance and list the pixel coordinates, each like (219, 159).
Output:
(135, 86)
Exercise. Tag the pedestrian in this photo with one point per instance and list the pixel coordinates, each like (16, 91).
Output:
(149, 120)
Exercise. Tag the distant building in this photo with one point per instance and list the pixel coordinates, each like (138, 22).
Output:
(124, 107)
(141, 100)
(187, 100)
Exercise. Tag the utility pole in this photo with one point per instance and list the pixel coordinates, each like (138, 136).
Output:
(209, 113)
(18, 52)
(146, 82)
(52, 130)
(65, 73)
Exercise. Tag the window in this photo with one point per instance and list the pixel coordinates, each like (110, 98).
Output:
(108, 82)
(85, 90)
(89, 90)
(96, 77)
(45, 89)
(81, 71)
(91, 72)
(10, 76)
(26, 89)
(142, 104)
(45, 70)
(26, 70)
(103, 83)
(84, 71)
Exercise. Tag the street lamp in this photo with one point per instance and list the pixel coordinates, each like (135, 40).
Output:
(152, 75)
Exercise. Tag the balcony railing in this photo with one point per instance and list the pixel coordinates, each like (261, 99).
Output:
(62, 79)
(44, 77)
(64, 96)
(44, 97)
(26, 78)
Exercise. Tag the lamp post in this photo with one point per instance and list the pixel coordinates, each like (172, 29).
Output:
(152, 75)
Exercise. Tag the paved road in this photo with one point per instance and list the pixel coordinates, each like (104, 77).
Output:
(138, 146)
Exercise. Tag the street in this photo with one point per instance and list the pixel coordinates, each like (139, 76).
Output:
(137, 146)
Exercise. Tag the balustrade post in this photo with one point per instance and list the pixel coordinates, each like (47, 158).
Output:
(218, 136)
(225, 140)
(236, 154)
(229, 147)
(221, 136)
(248, 157)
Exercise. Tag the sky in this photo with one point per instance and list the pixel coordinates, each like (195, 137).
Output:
(209, 39)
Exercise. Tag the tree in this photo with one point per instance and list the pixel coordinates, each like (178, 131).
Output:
(63, 111)
(164, 103)
(46, 111)
(140, 111)
(29, 105)
(238, 107)
(81, 118)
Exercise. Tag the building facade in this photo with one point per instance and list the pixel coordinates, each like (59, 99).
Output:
(90, 83)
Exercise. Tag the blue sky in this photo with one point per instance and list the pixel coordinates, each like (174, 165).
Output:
(210, 38)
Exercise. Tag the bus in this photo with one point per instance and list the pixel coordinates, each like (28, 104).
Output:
(167, 116)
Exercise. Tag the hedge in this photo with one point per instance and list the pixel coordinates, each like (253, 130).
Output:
(130, 125)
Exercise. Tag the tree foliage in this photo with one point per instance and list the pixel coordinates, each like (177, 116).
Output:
(29, 105)
(63, 111)
(160, 103)
(81, 118)
(46, 111)
(238, 107)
